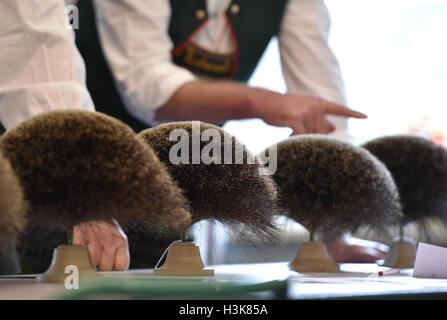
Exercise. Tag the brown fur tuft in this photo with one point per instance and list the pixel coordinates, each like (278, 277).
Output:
(419, 168)
(77, 166)
(331, 186)
(12, 203)
(233, 194)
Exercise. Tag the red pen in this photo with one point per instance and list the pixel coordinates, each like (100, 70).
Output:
(389, 272)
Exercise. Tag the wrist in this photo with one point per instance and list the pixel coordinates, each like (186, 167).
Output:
(255, 102)
(240, 100)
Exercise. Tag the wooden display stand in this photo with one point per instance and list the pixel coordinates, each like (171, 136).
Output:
(401, 255)
(69, 255)
(183, 259)
(313, 256)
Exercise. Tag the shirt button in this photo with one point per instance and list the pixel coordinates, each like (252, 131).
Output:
(200, 14)
(235, 8)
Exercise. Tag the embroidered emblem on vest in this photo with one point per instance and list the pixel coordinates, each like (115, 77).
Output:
(204, 62)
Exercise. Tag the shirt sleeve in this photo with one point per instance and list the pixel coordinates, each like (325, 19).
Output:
(40, 67)
(309, 65)
(135, 40)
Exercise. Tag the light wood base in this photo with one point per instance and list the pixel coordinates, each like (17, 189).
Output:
(401, 255)
(66, 255)
(313, 256)
(183, 259)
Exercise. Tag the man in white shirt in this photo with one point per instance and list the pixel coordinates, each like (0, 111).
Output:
(137, 43)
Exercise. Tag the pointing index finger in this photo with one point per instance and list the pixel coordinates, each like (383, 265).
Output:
(340, 110)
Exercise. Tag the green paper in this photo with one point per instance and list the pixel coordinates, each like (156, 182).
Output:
(161, 288)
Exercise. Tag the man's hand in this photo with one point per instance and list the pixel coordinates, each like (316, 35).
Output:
(347, 249)
(106, 242)
(218, 101)
(304, 114)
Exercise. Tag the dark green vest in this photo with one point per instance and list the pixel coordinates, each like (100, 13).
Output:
(254, 24)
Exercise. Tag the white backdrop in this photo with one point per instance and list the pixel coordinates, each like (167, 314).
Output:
(393, 56)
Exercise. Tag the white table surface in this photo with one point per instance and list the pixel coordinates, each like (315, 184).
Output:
(354, 280)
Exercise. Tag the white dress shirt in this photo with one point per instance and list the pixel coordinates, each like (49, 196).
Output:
(40, 67)
(134, 35)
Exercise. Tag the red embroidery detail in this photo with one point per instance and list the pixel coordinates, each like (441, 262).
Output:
(183, 44)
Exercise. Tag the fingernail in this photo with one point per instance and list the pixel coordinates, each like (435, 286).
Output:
(362, 115)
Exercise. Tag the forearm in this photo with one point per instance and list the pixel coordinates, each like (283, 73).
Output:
(220, 101)
(211, 101)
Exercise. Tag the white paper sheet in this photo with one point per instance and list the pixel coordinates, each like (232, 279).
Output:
(431, 262)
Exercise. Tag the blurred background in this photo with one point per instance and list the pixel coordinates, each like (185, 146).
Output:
(393, 57)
